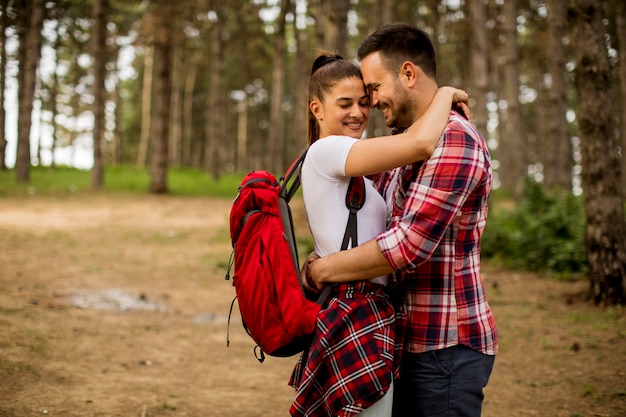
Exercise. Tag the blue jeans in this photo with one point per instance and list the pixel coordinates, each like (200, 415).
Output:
(442, 383)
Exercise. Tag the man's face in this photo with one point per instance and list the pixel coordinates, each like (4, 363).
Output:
(386, 92)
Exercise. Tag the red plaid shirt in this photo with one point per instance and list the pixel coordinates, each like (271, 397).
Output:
(352, 358)
(438, 213)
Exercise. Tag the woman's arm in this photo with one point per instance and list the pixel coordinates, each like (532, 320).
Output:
(370, 156)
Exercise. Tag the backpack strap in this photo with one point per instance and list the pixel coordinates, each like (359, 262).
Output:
(289, 184)
(288, 187)
(355, 199)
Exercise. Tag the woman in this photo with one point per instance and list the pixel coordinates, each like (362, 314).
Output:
(348, 369)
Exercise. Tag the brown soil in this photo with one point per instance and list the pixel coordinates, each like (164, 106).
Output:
(157, 345)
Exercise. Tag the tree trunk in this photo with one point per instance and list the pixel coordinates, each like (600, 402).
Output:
(620, 22)
(605, 234)
(434, 26)
(116, 144)
(386, 11)
(242, 135)
(557, 159)
(299, 81)
(215, 118)
(162, 95)
(30, 50)
(54, 92)
(381, 14)
(496, 62)
(39, 122)
(146, 107)
(4, 4)
(175, 145)
(187, 116)
(99, 53)
(332, 24)
(479, 57)
(512, 149)
(276, 129)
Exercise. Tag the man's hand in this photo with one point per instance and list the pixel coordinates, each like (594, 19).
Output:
(306, 279)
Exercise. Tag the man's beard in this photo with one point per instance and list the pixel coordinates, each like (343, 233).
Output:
(401, 115)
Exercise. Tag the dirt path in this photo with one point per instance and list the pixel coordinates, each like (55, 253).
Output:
(117, 306)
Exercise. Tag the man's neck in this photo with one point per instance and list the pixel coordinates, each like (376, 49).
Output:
(424, 94)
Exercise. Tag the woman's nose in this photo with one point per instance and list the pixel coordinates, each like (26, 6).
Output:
(356, 110)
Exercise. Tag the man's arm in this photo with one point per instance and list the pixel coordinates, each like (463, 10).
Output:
(445, 182)
(363, 262)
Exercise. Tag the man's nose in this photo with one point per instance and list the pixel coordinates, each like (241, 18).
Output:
(373, 99)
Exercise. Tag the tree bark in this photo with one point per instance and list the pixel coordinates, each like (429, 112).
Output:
(116, 143)
(299, 81)
(496, 62)
(146, 106)
(32, 14)
(4, 4)
(332, 24)
(99, 67)
(558, 158)
(187, 116)
(175, 144)
(512, 149)
(381, 13)
(276, 129)
(605, 233)
(162, 95)
(54, 90)
(479, 62)
(620, 22)
(215, 118)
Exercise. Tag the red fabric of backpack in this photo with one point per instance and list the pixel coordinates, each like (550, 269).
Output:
(275, 310)
(273, 305)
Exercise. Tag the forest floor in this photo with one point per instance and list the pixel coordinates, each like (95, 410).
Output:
(116, 305)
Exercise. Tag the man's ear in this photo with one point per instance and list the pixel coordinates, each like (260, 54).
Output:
(316, 109)
(409, 73)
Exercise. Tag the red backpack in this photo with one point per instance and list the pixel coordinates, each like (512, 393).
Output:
(275, 310)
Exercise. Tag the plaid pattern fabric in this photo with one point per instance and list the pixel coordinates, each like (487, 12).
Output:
(350, 363)
(438, 213)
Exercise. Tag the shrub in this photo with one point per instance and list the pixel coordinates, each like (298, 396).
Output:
(543, 232)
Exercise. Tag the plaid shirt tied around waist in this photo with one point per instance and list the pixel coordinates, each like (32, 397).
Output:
(352, 359)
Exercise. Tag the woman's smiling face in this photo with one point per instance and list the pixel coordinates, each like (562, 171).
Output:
(345, 109)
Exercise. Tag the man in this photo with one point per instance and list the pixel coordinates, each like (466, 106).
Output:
(438, 210)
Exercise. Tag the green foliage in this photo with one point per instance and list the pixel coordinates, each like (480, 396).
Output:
(188, 181)
(543, 232)
(45, 180)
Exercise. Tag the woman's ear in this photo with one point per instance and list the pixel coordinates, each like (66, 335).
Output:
(316, 109)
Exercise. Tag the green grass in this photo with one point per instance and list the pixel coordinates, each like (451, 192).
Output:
(44, 180)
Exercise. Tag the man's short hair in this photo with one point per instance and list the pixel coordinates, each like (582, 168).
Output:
(400, 42)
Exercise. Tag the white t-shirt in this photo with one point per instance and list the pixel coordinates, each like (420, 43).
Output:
(324, 187)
